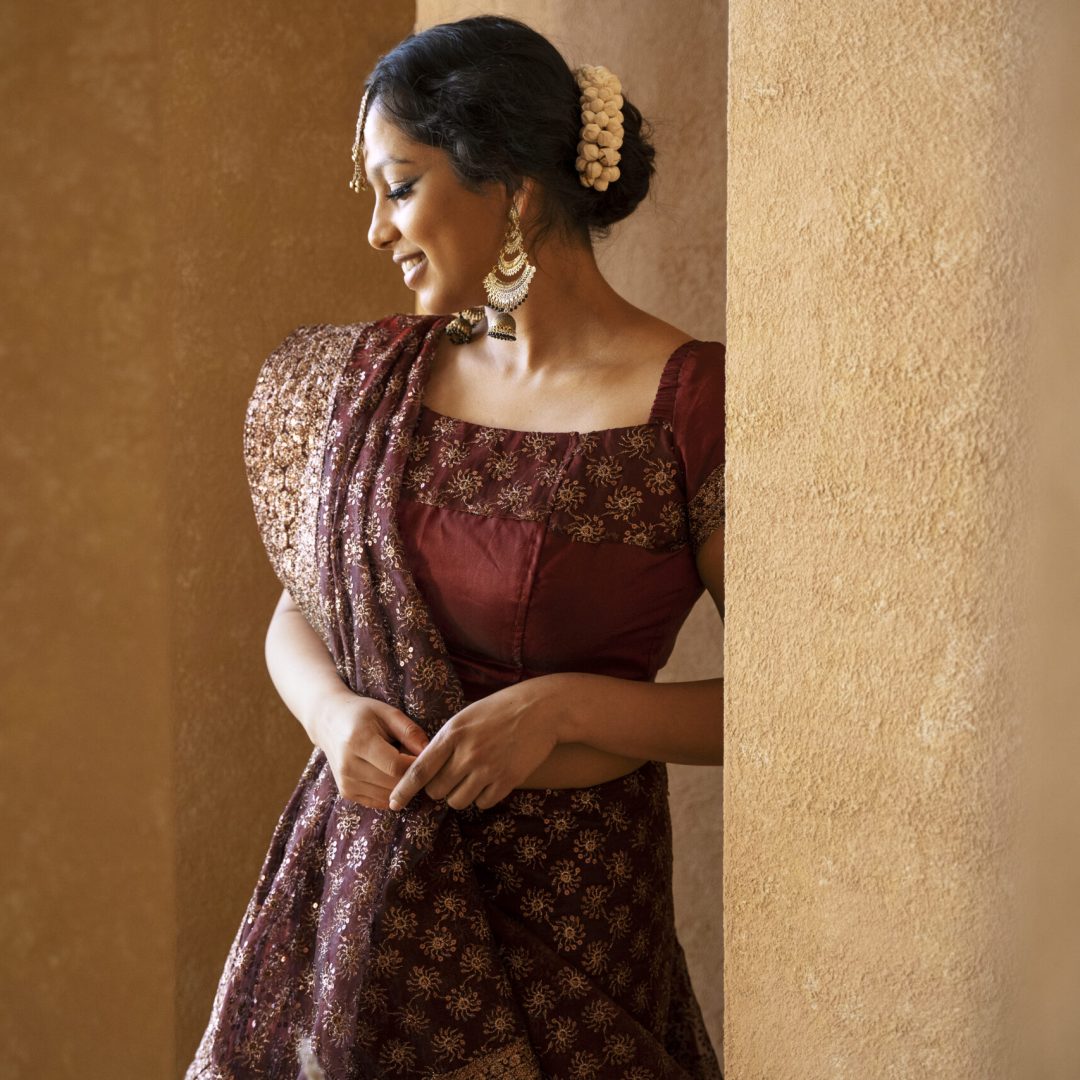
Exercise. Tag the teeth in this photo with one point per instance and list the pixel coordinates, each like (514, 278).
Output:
(408, 264)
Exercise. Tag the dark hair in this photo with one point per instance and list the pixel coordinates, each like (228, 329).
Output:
(500, 99)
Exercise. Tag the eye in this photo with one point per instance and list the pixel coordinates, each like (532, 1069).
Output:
(399, 192)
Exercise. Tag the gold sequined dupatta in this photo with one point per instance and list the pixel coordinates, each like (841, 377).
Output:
(367, 939)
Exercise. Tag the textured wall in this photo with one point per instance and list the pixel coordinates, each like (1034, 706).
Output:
(681, 226)
(86, 901)
(872, 491)
(175, 203)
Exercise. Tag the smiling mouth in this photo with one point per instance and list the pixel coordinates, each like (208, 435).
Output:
(412, 263)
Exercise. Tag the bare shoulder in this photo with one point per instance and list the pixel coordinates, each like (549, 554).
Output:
(649, 335)
(644, 348)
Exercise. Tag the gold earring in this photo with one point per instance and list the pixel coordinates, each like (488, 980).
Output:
(504, 296)
(459, 329)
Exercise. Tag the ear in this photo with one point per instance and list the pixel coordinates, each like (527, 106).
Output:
(525, 198)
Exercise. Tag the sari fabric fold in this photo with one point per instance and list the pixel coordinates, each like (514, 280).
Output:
(533, 939)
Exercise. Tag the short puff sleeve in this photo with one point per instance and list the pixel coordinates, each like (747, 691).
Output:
(284, 441)
(698, 424)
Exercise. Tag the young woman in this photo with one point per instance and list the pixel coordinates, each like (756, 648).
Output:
(490, 528)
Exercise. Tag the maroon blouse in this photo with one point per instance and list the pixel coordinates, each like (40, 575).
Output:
(568, 551)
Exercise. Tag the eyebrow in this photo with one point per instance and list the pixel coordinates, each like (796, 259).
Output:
(389, 160)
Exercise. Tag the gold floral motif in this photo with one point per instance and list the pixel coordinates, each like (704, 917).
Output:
(562, 1033)
(706, 508)
(396, 1055)
(624, 503)
(604, 471)
(600, 487)
(588, 528)
(539, 443)
(659, 476)
(489, 436)
(417, 477)
(451, 454)
(570, 495)
(425, 981)
(573, 983)
(501, 464)
(599, 1014)
(449, 1042)
(549, 473)
(515, 1061)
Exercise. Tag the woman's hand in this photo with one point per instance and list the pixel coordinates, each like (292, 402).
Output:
(358, 735)
(488, 748)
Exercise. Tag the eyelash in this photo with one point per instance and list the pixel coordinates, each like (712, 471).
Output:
(397, 193)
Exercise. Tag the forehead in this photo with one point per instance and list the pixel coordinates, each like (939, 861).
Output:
(384, 144)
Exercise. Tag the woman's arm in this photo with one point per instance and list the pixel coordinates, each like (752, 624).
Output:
(307, 680)
(679, 721)
(301, 668)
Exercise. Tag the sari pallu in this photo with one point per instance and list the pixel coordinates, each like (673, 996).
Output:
(533, 939)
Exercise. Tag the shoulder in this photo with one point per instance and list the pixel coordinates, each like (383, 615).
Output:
(700, 395)
(698, 423)
(296, 380)
(307, 354)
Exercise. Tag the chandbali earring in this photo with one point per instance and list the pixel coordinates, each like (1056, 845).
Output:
(504, 296)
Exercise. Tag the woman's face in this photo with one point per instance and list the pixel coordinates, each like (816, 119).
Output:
(422, 209)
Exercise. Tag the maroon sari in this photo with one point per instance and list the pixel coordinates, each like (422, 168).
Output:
(532, 939)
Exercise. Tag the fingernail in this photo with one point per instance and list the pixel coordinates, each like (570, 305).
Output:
(395, 804)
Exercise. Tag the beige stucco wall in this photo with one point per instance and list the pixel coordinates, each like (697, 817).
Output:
(874, 369)
(681, 227)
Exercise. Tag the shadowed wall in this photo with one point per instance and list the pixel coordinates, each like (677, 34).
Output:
(176, 204)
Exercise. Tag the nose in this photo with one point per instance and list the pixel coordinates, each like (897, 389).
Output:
(380, 232)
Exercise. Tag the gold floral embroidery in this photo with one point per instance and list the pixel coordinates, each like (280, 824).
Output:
(514, 1061)
(285, 427)
(594, 487)
(706, 508)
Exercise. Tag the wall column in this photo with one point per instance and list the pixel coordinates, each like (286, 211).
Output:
(872, 491)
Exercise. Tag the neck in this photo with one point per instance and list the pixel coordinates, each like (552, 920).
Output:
(570, 310)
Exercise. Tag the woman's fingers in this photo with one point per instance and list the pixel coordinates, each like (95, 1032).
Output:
(364, 772)
(420, 773)
(370, 795)
(385, 758)
(410, 734)
(466, 792)
(488, 797)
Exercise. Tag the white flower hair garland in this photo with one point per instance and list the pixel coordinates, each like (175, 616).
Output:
(601, 126)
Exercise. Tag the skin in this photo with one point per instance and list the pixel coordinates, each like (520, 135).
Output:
(568, 370)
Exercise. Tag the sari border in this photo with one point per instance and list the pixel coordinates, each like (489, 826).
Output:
(515, 1061)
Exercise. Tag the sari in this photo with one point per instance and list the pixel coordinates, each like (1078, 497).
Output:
(532, 939)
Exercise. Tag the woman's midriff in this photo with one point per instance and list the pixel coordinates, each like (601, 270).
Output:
(579, 765)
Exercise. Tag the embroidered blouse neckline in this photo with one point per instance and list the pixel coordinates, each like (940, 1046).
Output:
(666, 384)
